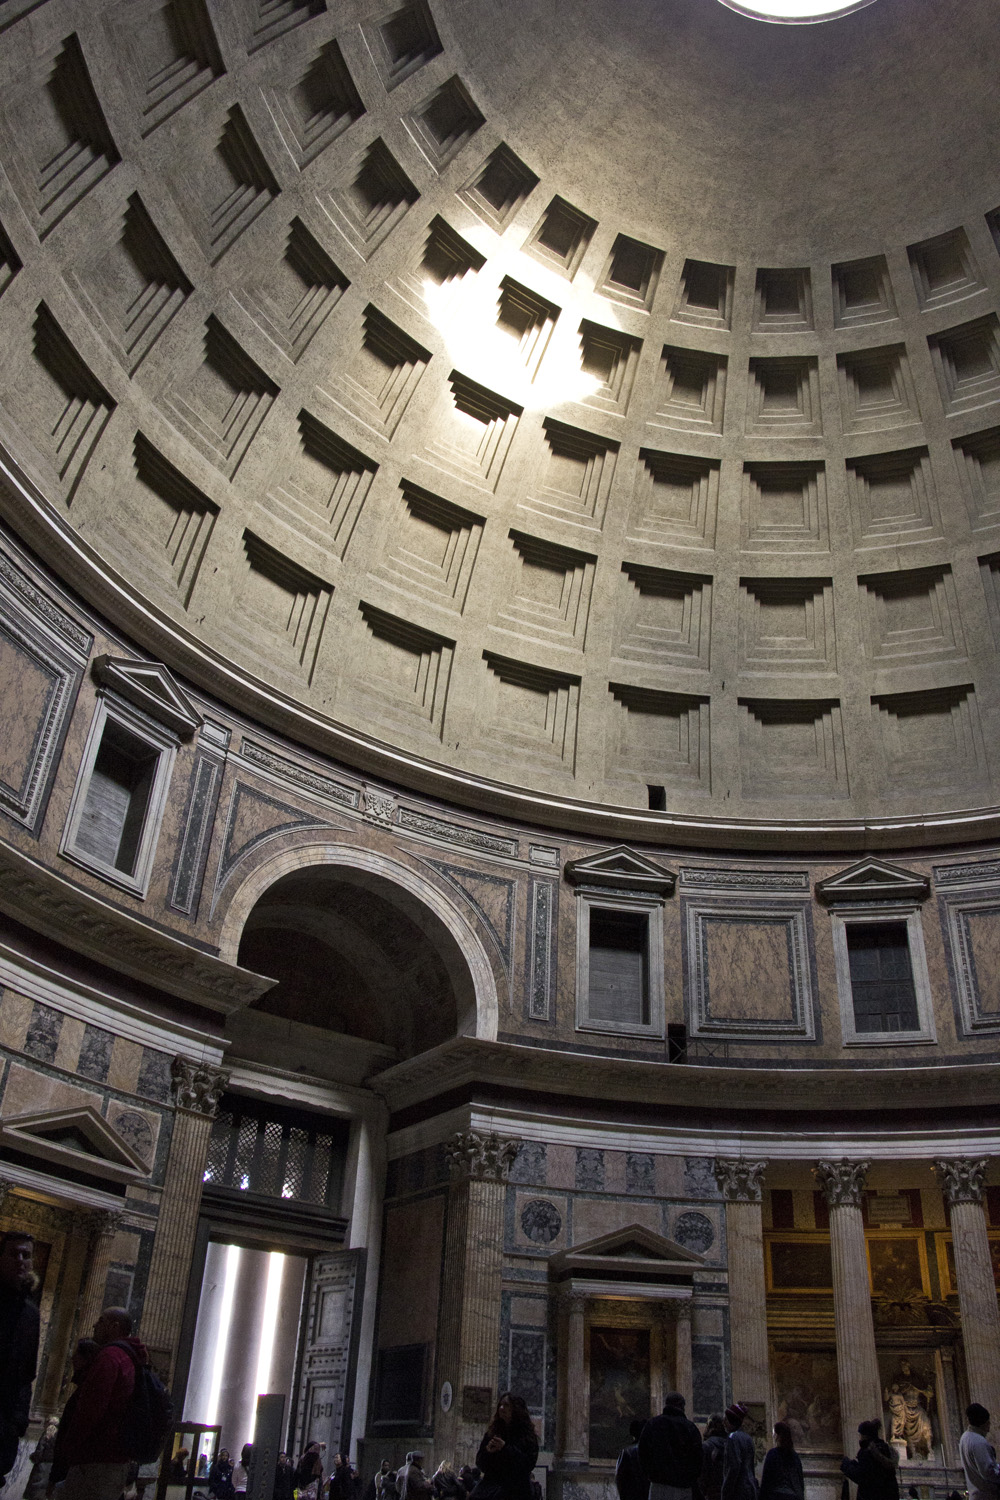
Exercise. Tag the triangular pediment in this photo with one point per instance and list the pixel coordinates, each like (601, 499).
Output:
(77, 1139)
(873, 880)
(152, 688)
(634, 1250)
(622, 869)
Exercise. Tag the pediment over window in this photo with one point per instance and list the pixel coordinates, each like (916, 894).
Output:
(634, 1252)
(873, 880)
(621, 869)
(152, 688)
(71, 1142)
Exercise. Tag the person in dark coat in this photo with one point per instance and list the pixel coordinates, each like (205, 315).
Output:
(220, 1476)
(739, 1479)
(446, 1484)
(18, 1343)
(84, 1355)
(781, 1477)
(874, 1469)
(713, 1455)
(508, 1452)
(670, 1450)
(630, 1481)
(284, 1478)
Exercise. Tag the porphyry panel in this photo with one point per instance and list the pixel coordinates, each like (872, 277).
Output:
(530, 712)
(55, 399)
(293, 298)
(792, 748)
(316, 108)
(220, 404)
(787, 625)
(550, 592)
(691, 389)
(749, 970)
(944, 269)
(675, 501)
(911, 615)
(876, 389)
(431, 547)
(930, 740)
(664, 617)
(660, 737)
(132, 286)
(783, 397)
(862, 292)
(404, 670)
(893, 496)
(784, 507)
(325, 482)
(705, 294)
(967, 364)
(498, 188)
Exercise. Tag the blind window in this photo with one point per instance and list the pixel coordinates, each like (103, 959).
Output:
(882, 977)
(619, 966)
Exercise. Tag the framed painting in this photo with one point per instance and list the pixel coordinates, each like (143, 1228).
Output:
(897, 1264)
(945, 1249)
(807, 1397)
(620, 1388)
(798, 1262)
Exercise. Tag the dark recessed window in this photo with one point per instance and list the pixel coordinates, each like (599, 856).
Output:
(114, 809)
(882, 977)
(619, 966)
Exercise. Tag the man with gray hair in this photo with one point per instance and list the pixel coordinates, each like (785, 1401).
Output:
(670, 1452)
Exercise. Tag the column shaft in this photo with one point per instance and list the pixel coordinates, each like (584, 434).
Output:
(103, 1229)
(747, 1302)
(683, 1374)
(977, 1300)
(576, 1387)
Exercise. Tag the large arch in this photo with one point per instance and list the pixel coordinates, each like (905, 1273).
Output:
(445, 926)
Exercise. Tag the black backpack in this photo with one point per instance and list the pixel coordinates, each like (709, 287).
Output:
(148, 1417)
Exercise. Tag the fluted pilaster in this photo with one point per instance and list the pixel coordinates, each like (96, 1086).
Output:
(740, 1181)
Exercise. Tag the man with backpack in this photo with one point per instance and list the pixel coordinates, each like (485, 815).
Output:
(106, 1426)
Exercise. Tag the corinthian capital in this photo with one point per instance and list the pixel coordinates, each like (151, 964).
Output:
(486, 1157)
(961, 1178)
(739, 1178)
(197, 1086)
(843, 1182)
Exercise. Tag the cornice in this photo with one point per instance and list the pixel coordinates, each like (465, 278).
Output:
(470, 1060)
(77, 918)
(42, 527)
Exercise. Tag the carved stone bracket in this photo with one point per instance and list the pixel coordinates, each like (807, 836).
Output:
(961, 1178)
(740, 1179)
(488, 1158)
(843, 1182)
(198, 1087)
(378, 806)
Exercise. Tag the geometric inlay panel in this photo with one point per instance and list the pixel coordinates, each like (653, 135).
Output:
(749, 970)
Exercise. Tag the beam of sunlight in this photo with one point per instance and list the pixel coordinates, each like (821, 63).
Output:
(222, 1339)
(796, 10)
(269, 1320)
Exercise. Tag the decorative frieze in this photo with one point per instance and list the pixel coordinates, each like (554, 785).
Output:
(843, 1182)
(961, 1178)
(485, 1158)
(739, 1178)
(197, 1087)
(379, 806)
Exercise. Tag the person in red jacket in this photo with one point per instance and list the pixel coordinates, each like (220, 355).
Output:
(93, 1445)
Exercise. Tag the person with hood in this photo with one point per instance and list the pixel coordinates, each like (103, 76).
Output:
(411, 1481)
(18, 1343)
(781, 1477)
(670, 1452)
(95, 1453)
(739, 1480)
(874, 1469)
(507, 1453)
(630, 1481)
(714, 1453)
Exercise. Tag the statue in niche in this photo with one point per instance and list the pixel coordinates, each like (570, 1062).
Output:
(909, 1398)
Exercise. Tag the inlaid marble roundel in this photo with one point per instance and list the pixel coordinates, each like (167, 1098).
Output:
(541, 1221)
(694, 1232)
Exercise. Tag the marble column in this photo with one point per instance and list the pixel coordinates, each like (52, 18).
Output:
(470, 1320)
(857, 1365)
(962, 1181)
(683, 1374)
(197, 1089)
(574, 1386)
(740, 1182)
(101, 1226)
